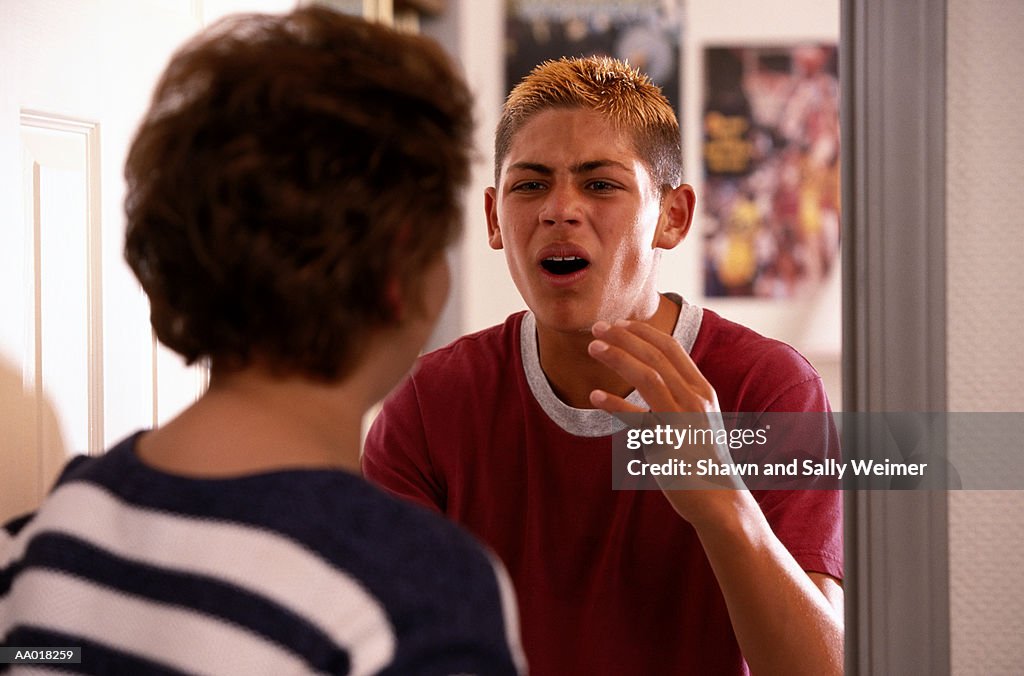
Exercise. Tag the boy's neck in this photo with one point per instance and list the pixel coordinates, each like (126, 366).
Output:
(250, 423)
(574, 374)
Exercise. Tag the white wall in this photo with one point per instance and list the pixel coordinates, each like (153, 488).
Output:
(985, 240)
(94, 62)
(486, 292)
(487, 295)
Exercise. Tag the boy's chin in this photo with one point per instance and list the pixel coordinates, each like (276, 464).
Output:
(565, 320)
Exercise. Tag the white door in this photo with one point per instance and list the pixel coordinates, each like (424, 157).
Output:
(79, 368)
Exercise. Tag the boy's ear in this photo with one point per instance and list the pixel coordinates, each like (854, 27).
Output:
(393, 300)
(676, 217)
(491, 212)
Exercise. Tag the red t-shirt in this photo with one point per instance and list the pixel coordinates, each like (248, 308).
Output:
(608, 582)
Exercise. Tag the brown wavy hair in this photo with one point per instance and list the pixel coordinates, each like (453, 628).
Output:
(610, 87)
(288, 169)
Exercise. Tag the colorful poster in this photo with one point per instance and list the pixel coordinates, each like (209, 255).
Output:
(771, 170)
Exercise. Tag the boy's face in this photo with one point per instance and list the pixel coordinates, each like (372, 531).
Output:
(580, 221)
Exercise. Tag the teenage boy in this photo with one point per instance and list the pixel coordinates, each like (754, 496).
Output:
(507, 431)
(291, 193)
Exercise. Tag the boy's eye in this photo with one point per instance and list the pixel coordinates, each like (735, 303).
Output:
(600, 185)
(527, 186)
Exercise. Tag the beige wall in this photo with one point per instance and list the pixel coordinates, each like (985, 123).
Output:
(985, 238)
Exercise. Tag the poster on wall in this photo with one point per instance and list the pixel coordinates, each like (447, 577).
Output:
(643, 32)
(771, 169)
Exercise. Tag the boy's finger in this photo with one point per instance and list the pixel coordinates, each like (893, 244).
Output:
(663, 390)
(612, 403)
(647, 359)
(670, 348)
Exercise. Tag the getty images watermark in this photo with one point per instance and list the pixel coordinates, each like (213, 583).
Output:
(819, 451)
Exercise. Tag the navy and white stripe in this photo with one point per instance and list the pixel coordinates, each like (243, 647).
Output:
(288, 572)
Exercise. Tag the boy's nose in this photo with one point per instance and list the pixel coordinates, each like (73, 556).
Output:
(563, 205)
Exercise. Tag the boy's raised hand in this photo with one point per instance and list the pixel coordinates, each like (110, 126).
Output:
(663, 373)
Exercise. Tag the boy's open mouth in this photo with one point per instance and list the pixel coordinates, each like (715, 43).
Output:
(564, 265)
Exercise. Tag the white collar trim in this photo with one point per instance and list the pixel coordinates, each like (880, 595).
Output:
(590, 422)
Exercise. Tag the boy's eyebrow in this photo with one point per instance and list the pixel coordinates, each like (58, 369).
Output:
(585, 167)
(535, 167)
(581, 168)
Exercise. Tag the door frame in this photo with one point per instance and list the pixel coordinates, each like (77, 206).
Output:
(893, 80)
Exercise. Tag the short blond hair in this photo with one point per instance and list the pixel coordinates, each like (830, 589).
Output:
(607, 86)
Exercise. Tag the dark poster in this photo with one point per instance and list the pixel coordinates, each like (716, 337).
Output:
(643, 32)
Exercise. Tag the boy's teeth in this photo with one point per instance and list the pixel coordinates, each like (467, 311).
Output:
(564, 265)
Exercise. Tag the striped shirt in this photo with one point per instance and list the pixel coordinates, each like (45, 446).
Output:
(284, 572)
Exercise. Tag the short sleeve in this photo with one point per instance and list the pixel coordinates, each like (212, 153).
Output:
(395, 453)
(808, 522)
